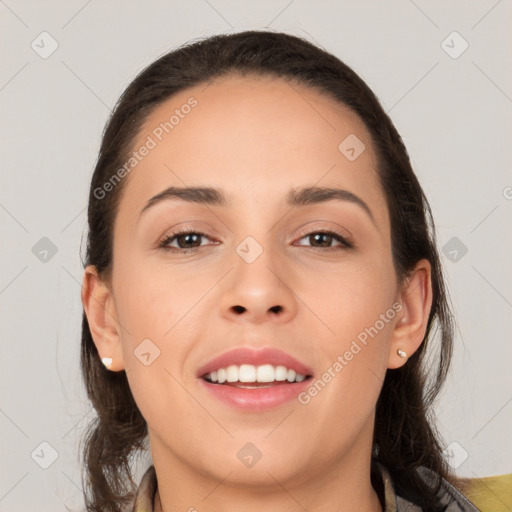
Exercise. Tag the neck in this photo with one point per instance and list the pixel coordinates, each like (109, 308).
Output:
(343, 486)
(290, 504)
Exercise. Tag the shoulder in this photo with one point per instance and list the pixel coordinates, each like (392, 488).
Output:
(489, 494)
(449, 497)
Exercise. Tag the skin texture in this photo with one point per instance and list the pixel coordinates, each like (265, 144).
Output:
(256, 138)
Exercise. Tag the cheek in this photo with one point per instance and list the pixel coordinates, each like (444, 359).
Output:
(350, 298)
(157, 343)
(355, 305)
(152, 299)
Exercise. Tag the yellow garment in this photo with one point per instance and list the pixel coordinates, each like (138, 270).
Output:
(489, 494)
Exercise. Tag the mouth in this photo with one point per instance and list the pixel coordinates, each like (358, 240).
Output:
(248, 376)
(254, 379)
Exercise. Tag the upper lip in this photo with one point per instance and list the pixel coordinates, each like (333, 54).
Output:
(256, 357)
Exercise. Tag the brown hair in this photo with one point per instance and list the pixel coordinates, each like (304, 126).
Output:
(405, 436)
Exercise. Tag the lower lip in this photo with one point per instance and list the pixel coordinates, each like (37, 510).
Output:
(256, 399)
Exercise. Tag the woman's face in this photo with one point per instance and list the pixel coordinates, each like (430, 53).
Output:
(262, 276)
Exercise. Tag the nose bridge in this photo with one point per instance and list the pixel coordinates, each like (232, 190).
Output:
(255, 265)
(258, 247)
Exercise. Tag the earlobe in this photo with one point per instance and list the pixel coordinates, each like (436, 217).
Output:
(99, 307)
(411, 325)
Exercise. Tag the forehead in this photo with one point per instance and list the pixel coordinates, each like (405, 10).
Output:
(254, 137)
(273, 109)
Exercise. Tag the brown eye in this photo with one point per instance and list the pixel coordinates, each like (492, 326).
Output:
(184, 241)
(187, 241)
(324, 239)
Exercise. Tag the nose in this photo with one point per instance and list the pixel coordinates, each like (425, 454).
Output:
(259, 291)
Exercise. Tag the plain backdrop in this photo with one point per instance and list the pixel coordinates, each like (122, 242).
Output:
(441, 69)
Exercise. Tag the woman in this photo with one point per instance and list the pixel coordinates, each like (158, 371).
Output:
(262, 285)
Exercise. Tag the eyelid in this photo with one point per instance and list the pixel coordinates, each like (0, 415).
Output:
(190, 227)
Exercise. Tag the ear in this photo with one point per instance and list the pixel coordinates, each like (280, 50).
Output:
(99, 307)
(415, 298)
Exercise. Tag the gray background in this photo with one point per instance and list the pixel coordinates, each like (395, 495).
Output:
(452, 109)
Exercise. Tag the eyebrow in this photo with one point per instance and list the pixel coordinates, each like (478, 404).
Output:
(296, 197)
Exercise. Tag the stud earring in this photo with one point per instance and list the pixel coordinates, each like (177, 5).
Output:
(107, 361)
(401, 353)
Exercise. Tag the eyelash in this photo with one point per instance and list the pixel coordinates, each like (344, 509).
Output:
(337, 236)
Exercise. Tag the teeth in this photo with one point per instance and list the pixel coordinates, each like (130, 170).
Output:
(280, 373)
(247, 373)
(232, 373)
(251, 373)
(265, 373)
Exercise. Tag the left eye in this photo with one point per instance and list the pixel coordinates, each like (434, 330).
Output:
(325, 238)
